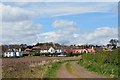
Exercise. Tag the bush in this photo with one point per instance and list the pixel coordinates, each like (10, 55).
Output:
(36, 54)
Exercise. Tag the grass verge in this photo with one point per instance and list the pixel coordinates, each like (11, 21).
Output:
(104, 62)
(69, 67)
(51, 72)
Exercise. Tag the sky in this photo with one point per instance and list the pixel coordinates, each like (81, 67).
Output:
(61, 22)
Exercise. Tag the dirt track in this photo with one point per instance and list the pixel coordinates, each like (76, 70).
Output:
(78, 72)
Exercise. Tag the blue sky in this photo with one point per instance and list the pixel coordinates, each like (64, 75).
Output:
(62, 22)
(83, 21)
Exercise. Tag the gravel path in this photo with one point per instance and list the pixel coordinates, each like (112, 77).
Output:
(78, 72)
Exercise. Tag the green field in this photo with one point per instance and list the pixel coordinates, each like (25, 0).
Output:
(103, 62)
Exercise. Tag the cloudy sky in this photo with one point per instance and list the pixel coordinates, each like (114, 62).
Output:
(62, 22)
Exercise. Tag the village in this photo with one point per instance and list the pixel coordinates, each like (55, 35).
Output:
(50, 40)
(52, 49)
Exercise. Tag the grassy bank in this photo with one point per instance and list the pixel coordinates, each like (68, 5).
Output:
(104, 62)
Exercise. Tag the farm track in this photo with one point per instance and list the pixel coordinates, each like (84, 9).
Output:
(78, 72)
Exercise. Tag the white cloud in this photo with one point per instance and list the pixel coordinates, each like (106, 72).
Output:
(63, 34)
(11, 14)
(60, 1)
(99, 36)
(20, 32)
(18, 27)
(63, 23)
(102, 32)
(35, 10)
(80, 8)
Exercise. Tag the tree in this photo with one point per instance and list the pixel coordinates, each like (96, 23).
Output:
(113, 42)
(37, 44)
(4, 48)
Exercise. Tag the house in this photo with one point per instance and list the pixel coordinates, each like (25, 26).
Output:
(18, 53)
(13, 53)
(44, 50)
(27, 52)
(52, 50)
(59, 50)
(9, 53)
(91, 50)
(67, 51)
(36, 49)
(107, 48)
(77, 51)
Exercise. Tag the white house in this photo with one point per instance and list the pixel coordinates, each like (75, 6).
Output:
(59, 51)
(47, 50)
(43, 51)
(9, 53)
(51, 50)
(84, 51)
(13, 53)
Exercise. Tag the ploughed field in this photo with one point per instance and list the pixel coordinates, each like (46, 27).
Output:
(29, 67)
